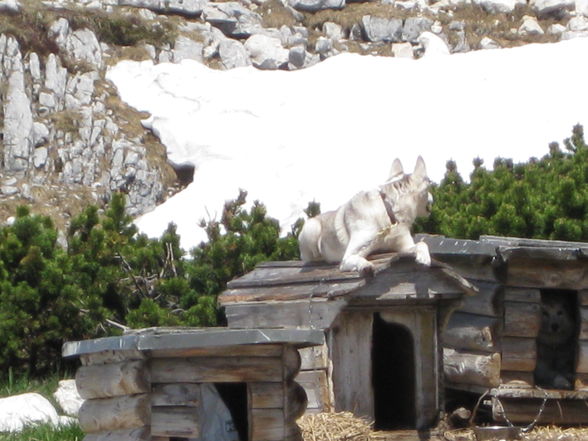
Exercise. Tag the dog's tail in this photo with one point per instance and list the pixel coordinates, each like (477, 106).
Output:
(309, 241)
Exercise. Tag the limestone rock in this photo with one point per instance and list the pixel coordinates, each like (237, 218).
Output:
(316, 5)
(234, 19)
(381, 29)
(187, 49)
(333, 31)
(10, 6)
(20, 411)
(184, 7)
(233, 54)
(68, 398)
(296, 57)
(266, 52)
(552, 8)
(18, 120)
(488, 43)
(556, 29)
(530, 26)
(415, 26)
(433, 44)
(402, 50)
(499, 6)
(582, 7)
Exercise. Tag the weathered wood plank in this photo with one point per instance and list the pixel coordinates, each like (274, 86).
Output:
(258, 350)
(517, 379)
(389, 285)
(522, 295)
(177, 394)
(108, 414)
(351, 355)
(107, 357)
(316, 387)
(139, 434)
(479, 269)
(471, 332)
(522, 319)
(281, 292)
(519, 354)
(583, 297)
(311, 312)
(314, 357)
(533, 273)
(113, 380)
(523, 411)
(291, 362)
(175, 421)
(296, 402)
(471, 369)
(583, 335)
(582, 364)
(216, 369)
(581, 383)
(266, 395)
(267, 425)
(483, 303)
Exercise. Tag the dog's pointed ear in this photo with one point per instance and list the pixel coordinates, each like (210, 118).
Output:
(396, 169)
(420, 170)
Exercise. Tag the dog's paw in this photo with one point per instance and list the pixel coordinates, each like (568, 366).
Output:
(422, 255)
(367, 270)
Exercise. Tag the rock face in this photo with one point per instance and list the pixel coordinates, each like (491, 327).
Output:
(68, 398)
(59, 133)
(65, 130)
(20, 411)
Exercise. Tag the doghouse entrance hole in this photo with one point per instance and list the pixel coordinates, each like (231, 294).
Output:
(557, 339)
(235, 397)
(393, 376)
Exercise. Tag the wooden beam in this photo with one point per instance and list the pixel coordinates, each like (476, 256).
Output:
(139, 434)
(175, 421)
(522, 319)
(267, 425)
(310, 312)
(471, 369)
(582, 357)
(176, 394)
(471, 332)
(257, 350)
(517, 379)
(524, 411)
(108, 414)
(483, 303)
(291, 362)
(534, 273)
(217, 369)
(314, 357)
(111, 356)
(113, 380)
(522, 295)
(583, 335)
(519, 354)
(316, 386)
(266, 395)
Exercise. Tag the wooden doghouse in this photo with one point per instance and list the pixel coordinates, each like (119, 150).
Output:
(147, 385)
(492, 340)
(382, 356)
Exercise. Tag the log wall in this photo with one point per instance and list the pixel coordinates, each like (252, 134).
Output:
(130, 397)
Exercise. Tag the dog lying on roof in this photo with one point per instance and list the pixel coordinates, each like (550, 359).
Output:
(377, 220)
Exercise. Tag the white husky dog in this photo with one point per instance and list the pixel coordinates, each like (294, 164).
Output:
(377, 220)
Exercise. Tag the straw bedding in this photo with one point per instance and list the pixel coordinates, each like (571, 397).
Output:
(344, 426)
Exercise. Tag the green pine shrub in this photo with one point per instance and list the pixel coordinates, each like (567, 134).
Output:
(543, 198)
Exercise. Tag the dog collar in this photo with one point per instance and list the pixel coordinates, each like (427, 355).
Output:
(389, 209)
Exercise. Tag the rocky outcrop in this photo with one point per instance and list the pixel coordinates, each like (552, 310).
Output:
(65, 131)
(61, 132)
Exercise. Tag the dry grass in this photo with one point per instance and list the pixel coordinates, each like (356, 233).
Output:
(344, 426)
(334, 427)
(274, 14)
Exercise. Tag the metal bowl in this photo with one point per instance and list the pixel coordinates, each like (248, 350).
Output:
(494, 433)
